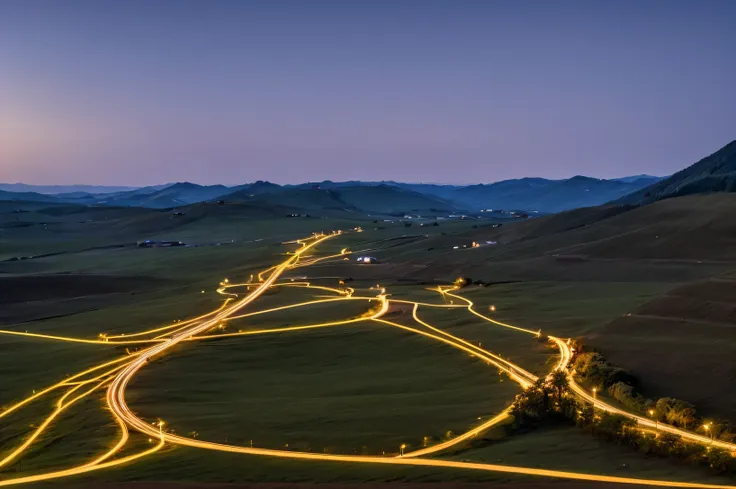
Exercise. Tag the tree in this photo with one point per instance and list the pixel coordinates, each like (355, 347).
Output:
(558, 381)
(587, 415)
(719, 460)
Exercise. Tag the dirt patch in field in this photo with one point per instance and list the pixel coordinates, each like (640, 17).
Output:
(64, 286)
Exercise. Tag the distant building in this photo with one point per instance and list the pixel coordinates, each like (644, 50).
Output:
(367, 259)
(159, 244)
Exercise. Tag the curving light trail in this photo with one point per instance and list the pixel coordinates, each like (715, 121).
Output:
(125, 368)
(641, 421)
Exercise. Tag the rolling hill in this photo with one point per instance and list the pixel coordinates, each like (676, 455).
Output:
(380, 199)
(692, 228)
(26, 196)
(528, 194)
(172, 196)
(545, 195)
(389, 197)
(63, 189)
(714, 173)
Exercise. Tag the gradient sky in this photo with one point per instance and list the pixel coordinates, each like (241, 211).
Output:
(142, 92)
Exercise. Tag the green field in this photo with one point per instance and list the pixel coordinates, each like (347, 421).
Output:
(359, 388)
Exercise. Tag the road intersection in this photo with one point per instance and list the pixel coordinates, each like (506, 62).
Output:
(115, 376)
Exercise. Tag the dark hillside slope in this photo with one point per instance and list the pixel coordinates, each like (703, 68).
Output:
(676, 341)
(296, 199)
(174, 195)
(381, 199)
(694, 228)
(385, 199)
(258, 187)
(546, 195)
(26, 196)
(714, 173)
(671, 241)
(182, 194)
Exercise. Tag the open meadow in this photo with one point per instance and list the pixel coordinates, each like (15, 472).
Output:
(320, 370)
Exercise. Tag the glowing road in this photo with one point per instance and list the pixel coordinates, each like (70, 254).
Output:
(115, 376)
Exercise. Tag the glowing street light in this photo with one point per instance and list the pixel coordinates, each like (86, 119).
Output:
(492, 308)
(401, 449)
(595, 391)
(706, 427)
(656, 421)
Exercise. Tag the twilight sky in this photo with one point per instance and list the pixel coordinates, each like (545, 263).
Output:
(140, 92)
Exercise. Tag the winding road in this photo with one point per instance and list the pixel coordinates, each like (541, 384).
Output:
(116, 375)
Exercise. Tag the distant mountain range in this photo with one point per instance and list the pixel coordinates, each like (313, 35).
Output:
(63, 189)
(714, 173)
(386, 197)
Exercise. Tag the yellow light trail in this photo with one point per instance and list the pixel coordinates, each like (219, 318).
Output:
(61, 406)
(292, 306)
(76, 340)
(642, 421)
(170, 326)
(321, 259)
(529, 377)
(193, 328)
(65, 382)
(306, 285)
(378, 314)
(59, 409)
(518, 378)
(486, 318)
(84, 468)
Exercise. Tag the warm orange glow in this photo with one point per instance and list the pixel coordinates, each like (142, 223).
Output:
(116, 374)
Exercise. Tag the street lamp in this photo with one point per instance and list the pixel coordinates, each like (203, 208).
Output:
(656, 421)
(401, 449)
(706, 427)
(595, 391)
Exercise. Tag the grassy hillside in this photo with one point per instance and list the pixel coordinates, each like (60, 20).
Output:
(545, 195)
(25, 196)
(714, 173)
(48, 228)
(353, 389)
(694, 228)
(172, 196)
(681, 344)
(381, 199)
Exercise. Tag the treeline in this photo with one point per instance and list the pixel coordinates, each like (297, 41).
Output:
(624, 431)
(549, 401)
(593, 369)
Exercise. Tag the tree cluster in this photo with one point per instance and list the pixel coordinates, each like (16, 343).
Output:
(624, 431)
(593, 369)
(549, 401)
